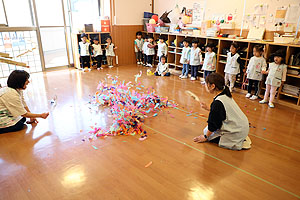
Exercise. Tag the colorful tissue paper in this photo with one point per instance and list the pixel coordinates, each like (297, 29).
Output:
(129, 106)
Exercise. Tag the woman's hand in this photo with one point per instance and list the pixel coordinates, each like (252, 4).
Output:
(200, 139)
(44, 115)
(204, 106)
(32, 121)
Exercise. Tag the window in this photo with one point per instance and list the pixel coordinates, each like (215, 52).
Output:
(18, 13)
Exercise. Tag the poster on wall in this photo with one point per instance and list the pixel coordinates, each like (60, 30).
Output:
(292, 14)
(198, 12)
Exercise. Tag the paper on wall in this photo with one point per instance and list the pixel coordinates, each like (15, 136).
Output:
(260, 9)
(292, 14)
(280, 12)
(198, 12)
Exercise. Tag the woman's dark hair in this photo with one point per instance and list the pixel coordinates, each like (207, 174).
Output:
(235, 45)
(258, 48)
(219, 82)
(138, 33)
(17, 79)
(195, 41)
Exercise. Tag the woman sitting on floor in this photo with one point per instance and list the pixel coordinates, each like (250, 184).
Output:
(227, 124)
(13, 109)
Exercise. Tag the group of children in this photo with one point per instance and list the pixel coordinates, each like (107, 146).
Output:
(145, 53)
(191, 59)
(88, 51)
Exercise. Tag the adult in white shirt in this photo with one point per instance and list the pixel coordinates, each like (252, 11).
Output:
(13, 108)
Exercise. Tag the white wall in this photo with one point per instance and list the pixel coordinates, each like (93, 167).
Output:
(222, 7)
(131, 12)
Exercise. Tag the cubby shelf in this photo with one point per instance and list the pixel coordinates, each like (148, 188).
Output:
(221, 43)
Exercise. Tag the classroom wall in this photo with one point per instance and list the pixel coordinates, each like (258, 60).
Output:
(222, 7)
(131, 12)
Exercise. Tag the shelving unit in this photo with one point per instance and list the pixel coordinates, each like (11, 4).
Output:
(76, 38)
(247, 46)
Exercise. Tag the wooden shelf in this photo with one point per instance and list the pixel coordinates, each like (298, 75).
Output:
(270, 47)
(290, 95)
(295, 76)
(293, 67)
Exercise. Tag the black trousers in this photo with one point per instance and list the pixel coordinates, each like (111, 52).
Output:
(150, 59)
(85, 61)
(251, 84)
(167, 74)
(18, 126)
(99, 60)
(145, 59)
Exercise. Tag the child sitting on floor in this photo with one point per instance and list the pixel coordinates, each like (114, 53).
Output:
(276, 77)
(162, 68)
(256, 65)
(209, 65)
(138, 48)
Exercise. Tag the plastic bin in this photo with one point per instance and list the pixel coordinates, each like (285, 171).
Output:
(164, 29)
(145, 21)
(157, 29)
(151, 27)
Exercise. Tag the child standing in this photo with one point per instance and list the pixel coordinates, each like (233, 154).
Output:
(162, 68)
(184, 59)
(150, 51)
(138, 48)
(195, 59)
(276, 77)
(162, 48)
(145, 49)
(209, 65)
(233, 66)
(97, 53)
(84, 52)
(256, 65)
(110, 47)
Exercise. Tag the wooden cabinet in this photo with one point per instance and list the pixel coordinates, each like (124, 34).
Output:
(174, 54)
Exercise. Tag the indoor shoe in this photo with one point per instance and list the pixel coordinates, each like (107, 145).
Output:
(271, 105)
(248, 95)
(263, 101)
(184, 77)
(254, 97)
(247, 143)
(193, 78)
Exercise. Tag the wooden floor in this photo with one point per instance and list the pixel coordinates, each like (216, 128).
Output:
(50, 161)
